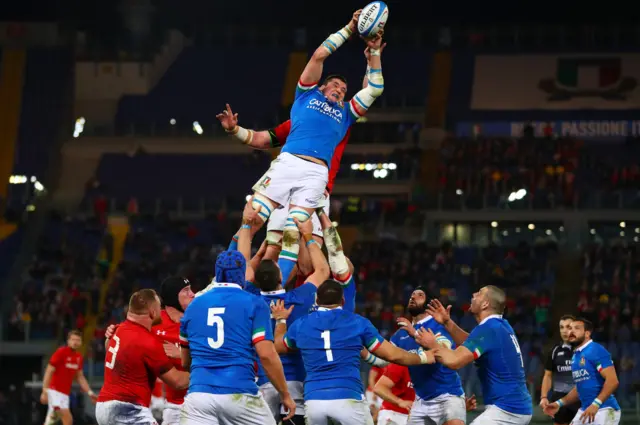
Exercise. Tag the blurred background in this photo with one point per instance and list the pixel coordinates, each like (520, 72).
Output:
(504, 150)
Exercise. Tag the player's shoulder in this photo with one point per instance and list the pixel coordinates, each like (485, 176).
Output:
(596, 349)
(400, 334)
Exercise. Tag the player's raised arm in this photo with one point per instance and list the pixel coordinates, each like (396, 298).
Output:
(313, 70)
(265, 139)
(280, 315)
(319, 263)
(442, 315)
(362, 101)
(337, 260)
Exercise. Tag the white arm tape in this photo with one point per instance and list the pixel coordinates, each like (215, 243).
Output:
(365, 97)
(335, 40)
(375, 361)
(245, 136)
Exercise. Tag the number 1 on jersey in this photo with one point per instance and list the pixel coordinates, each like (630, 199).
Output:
(515, 342)
(326, 336)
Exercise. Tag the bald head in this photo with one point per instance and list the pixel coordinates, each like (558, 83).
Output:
(143, 301)
(496, 298)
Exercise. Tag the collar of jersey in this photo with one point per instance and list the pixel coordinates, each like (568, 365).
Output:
(493, 316)
(565, 345)
(276, 292)
(328, 309)
(225, 285)
(584, 346)
(425, 320)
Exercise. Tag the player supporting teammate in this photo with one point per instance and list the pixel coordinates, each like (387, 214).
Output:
(218, 333)
(493, 346)
(396, 389)
(595, 380)
(557, 375)
(440, 397)
(135, 358)
(64, 366)
(297, 179)
(268, 278)
(275, 138)
(330, 340)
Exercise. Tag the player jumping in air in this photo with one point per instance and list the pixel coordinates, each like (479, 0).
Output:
(135, 359)
(64, 366)
(275, 138)
(595, 380)
(557, 381)
(220, 333)
(330, 341)
(494, 348)
(440, 397)
(320, 119)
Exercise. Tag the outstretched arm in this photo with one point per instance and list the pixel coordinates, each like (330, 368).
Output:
(265, 139)
(363, 100)
(313, 71)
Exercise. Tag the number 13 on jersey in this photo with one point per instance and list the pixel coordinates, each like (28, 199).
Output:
(326, 336)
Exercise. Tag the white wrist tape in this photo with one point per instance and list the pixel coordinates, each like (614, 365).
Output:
(424, 358)
(365, 97)
(337, 260)
(374, 52)
(245, 136)
(375, 361)
(335, 40)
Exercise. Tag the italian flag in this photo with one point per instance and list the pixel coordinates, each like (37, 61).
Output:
(183, 339)
(306, 86)
(258, 335)
(476, 354)
(374, 344)
(599, 367)
(287, 343)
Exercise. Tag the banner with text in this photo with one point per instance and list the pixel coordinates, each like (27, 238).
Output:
(587, 130)
(551, 82)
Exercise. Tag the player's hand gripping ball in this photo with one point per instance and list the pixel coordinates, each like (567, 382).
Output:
(373, 18)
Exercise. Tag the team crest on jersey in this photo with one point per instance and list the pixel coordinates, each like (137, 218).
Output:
(265, 182)
(583, 361)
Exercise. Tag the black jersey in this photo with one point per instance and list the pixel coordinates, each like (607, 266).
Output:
(559, 362)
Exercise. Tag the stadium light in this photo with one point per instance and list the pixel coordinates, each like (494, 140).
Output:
(459, 192)
(17, 179)
(637, 229)
(516, 196)
(592, 231)
(561, 228)
(79, 127)
(623, 224)
(622, 233)
(517, 230)
(197, 128)
(172, 121)
(635, 239)
(494, 224)
(548, 232)
(505, 233)
(531, 226)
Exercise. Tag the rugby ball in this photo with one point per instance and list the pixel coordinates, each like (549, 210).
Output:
(373, 18)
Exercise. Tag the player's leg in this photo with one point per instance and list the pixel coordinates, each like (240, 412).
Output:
(272, 398)
(316, 412)
(275, 225)
(605, 416)
(306, 197)
(419, 414)
(121, 413)
(171, 414)
(337, 260)
(58, 409)
(244, 409)
(496, 416)
(389, 417)
(454, 411)
(200, 409)
(347, 412)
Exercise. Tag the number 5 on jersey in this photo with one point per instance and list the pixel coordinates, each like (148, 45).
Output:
(326, 336)
(214, 318)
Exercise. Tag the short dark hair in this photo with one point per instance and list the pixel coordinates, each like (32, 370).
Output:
(267, 275)
(329, 293)
(568, 317)
(588, 325)
(74, 332)
(497, 299)
(141, 301)
(334, 77)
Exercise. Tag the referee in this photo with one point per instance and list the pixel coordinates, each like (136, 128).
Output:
(557, 375)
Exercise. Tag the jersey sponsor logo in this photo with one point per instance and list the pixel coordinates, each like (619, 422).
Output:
(326, 109)
(564, 368)
(71, 365)
(580, 375)
(159, 332)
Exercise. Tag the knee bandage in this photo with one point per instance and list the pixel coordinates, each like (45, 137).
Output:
(264, 204)
(291, 234)
(337, 259)
(274, 238)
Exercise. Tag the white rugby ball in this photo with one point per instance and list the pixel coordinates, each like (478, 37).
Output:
(373, 18)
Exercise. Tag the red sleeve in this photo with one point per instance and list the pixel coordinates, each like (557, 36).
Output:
(57, 358)
(394, 372)
(279, 134)
(156, 359)
(337, 158)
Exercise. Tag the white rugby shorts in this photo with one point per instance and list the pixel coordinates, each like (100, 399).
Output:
(56, 401)
(294, 181)
(493, 415)
(171, 414)
(278, 219)
(222, 409)
(115, 412)
(373, 399)
(439, 410)
(605, 416)
(389, 417)
(272, 398)
(339, 412)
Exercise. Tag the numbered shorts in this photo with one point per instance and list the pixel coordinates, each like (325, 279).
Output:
(606, 416)
(279, 217)
(389, 417)
(225, 409)
(493, 415)
(439, 410)
(120, 413)
(171, 414)
(272, 398)
(337, 412)
(57, 401)
(295, 181)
